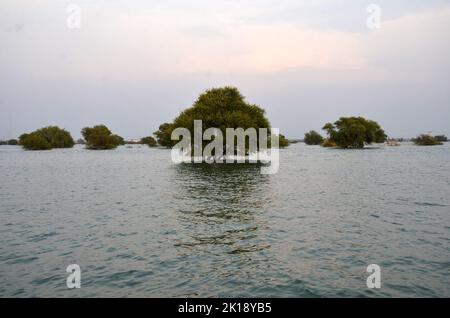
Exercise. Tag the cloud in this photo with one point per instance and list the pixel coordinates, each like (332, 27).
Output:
(124, 43)
(412, 47)
(136, 64)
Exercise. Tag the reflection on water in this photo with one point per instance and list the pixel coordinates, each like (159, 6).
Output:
(220, 206)
(138, 225)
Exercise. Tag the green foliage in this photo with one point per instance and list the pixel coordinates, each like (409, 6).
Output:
(327, 143)
(120, 140)
(47, 138)
(34, 141)
(283, 141)
(100, 138)
(149, 141)
(57, 137)
(354, 132)
(217, 108)
(163, 135)
(426, 140)
(222, 108)
(313, 138)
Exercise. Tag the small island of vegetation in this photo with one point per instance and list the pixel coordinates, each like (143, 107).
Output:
(313, 138)
(218, 108)
(353, 132)
(10, 142)
(100, 137)
(221, 108)
(46, 138)
(426, 140)
(149, 141)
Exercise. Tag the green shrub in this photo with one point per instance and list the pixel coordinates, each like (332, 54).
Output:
(313, 138)
(34, 141)
(426, 140)
(149, 141)
(329, 143)
(354, 132)
(47, 138)
(100, 138)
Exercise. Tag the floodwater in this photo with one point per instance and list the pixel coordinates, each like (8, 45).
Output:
(139, 225)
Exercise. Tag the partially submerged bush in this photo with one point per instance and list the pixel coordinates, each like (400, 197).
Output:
(34, 141)
(354, 132)
(100, 138)
(426, 140)
(329, 143)
(283, 141)
(120, 140)
(313, 138)
(149, 141)
(47, 138)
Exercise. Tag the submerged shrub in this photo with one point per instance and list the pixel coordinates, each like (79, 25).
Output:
(34, 141)
(313, 138)
(327, 143)
(100, 138)
(149, 141)
(47, 138)
(354, 132)
(426, 140)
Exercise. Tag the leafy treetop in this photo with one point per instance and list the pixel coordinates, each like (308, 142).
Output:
(46, 138)
(354, 132)
(426, 140)
(218, 108)
(313, 138)
(100, 138)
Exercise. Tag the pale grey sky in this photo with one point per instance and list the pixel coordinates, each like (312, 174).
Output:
(136, 64)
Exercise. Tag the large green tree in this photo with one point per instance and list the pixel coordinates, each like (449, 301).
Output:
(354, 132)
(218, 108)
(46, 138)
(100, 138)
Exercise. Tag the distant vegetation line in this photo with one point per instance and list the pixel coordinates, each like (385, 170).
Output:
(219, 108)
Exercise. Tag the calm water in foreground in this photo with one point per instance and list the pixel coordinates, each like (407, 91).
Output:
(139, 225)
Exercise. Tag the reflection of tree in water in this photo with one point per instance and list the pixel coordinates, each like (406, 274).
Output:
(219, 204)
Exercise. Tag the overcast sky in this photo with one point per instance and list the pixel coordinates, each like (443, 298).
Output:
(136, 64)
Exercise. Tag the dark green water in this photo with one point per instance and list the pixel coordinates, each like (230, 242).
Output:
(139, 225)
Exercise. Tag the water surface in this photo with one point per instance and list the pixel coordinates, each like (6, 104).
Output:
(139, 225)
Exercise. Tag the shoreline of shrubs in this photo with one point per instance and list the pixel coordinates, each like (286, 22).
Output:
(221, 107)
(9, 142)
(98, 137)
(356, 132)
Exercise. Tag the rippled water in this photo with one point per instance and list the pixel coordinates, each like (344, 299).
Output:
(139, 225)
